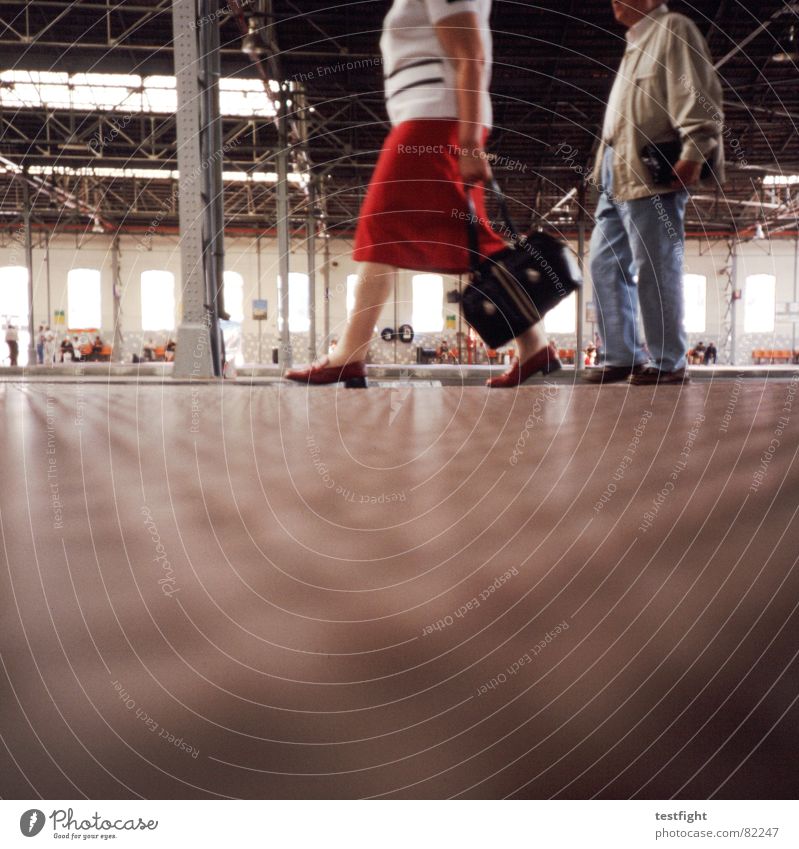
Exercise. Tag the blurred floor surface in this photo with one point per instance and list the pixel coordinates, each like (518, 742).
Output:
(565, 591)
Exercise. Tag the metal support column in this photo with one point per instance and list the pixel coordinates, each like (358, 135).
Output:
(116, 274)
(311, 228)
(193, 358)
(212, 154)
(734, 303)
(326, 284)
(460, 322)
(396, 314)
(283, 238)
(579, 359)
(260, 296)
(27, 204)
(50, 316)
(795, 287)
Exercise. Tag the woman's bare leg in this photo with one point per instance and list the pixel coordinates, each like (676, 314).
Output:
(531, 342)
(375, 284)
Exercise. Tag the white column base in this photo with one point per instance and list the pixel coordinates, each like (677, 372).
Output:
(193, 352)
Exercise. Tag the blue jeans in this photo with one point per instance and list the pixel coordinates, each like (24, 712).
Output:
(637, 251)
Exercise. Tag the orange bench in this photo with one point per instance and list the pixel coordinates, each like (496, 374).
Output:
(88, 353)
(771, 356)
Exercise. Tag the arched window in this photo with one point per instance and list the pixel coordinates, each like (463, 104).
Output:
(352, 280)
(562, 318)
(760, 303)
(428, 303)
(14, 294)
(234, 295)
(299, 319)
(84, 301)
(157, 300)
(695, 296)
(14, 307)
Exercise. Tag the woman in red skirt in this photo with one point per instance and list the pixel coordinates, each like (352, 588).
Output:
(437, 59)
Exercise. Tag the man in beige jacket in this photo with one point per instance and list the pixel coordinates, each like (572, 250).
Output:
(666, 91)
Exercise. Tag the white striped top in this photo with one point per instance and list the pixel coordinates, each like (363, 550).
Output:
(419, 78)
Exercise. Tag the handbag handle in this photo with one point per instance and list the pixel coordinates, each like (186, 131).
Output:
(472, 222)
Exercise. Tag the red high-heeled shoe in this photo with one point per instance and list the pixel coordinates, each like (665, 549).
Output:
(353, 374)
(545, 361)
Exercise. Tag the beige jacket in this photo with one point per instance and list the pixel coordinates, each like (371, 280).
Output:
(668, 89)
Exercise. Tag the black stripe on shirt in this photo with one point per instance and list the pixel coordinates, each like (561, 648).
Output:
(414, 65)
(428, 81)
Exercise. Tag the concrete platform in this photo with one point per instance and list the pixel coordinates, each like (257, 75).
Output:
(446, 375)
(241, 590)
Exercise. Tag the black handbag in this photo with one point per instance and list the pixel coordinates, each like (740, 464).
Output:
(660, 160)
(513, 289)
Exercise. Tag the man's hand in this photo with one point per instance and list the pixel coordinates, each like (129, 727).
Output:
(686, 174)
(474, 165)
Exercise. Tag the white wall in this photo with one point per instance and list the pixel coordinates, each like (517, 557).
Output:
(758, 257)
(94, 251)
(163, 253)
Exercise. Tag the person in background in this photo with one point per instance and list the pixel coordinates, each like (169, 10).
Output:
(49, 346)
(599, 352)
(437, 63)
(12, 340)
(699, 353)
(666, 90)
(711, 354)
(67, 350)
(40, 345)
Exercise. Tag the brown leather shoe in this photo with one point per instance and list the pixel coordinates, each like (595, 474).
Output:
(610, 374)
(651, 376)
(545, 361)
(353, 375)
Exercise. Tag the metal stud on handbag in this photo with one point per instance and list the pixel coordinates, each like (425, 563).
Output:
(511, 290)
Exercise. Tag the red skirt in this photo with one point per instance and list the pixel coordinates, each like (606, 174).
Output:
(415, 213)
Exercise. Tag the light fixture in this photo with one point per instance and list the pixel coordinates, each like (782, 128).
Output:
(781, 180)
(788, 50)
(253, 43)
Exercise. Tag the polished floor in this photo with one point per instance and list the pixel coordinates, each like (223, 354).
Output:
(412, 591)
